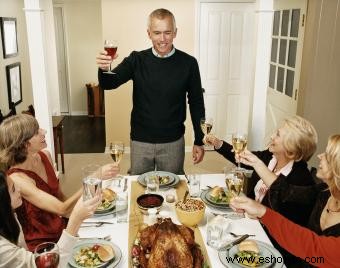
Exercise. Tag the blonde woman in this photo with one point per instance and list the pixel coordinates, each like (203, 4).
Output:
(290, 147)
(322, 240)
(45, 208)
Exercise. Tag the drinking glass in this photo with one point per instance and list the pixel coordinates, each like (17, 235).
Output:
(111, 48)
(117, 151)
(152, 183)
(234, 181)
(92, 183)
(216, 230)
(122, 207)
(194, 185)
(206, 126)
(47, 255)
(239, 141)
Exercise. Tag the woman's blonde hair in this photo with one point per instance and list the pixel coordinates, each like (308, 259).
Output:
(333, 158)
(15, 132)
(300, 139)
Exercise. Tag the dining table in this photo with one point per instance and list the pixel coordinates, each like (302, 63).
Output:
(120, 233)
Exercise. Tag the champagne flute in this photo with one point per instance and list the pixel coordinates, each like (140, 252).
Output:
(206, 126)
(117, 151)
(234, 182)
(110, 47)
(47, 255)
(239, 141)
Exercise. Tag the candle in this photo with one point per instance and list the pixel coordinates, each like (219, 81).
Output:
(170, 198)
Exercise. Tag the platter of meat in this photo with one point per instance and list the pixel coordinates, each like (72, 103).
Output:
(165, 244)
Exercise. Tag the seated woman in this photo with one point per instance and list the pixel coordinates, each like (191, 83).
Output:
(13, 251)
(290, 148)
(45, 207)
(322, 240)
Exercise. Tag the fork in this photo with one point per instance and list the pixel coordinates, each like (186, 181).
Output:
(95, 224)
(238, 235)
(107, 238)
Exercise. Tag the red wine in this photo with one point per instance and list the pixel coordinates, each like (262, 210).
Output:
(111, 51)
(47, 260)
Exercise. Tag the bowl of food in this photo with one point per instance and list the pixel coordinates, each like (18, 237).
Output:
(147, 201)
(190, 212)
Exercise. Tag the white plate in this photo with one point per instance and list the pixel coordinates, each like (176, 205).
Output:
(268, 252)
(174, 179)
(90, 243)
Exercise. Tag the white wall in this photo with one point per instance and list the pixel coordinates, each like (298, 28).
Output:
(14, 9)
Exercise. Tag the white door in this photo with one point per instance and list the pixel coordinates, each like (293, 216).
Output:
(285, 61)
(61, 60)
(226, 59)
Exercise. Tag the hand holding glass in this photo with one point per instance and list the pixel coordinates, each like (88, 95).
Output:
(239, 141)
(110, 47)
(206, 126)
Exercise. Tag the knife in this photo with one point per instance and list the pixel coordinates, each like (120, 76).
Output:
(235, 242)
(125, 185)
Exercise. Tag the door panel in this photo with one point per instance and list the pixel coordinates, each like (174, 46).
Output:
(226, 58)
(285, 62)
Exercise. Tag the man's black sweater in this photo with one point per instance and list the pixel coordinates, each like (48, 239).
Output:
(160, 88)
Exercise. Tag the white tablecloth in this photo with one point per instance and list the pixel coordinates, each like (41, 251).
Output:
(119, 231)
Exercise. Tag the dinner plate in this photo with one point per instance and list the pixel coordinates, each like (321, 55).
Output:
(173, 178)
(108, 209)
(213, 205)
(89, 243)
(211, 200)
(108, 212)
(271, 256)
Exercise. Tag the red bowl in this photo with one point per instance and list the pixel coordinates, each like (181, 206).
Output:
(146, 201)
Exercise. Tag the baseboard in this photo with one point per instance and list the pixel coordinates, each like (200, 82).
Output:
(78, 113)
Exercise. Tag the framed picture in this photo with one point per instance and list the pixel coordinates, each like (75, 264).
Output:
(9, 37)
(13, 74)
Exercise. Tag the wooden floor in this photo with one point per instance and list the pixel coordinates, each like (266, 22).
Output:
(89, 130)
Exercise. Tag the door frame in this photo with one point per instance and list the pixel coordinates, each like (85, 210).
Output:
(63, 45)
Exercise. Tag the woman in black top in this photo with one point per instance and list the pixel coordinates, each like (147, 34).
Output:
(290, 147)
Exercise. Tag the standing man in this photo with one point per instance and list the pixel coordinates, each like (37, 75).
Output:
(163, 78)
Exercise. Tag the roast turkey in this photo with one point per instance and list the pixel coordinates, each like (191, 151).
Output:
(168, 245)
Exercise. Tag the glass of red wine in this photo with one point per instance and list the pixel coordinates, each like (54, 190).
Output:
(46, 255)
(110, 47)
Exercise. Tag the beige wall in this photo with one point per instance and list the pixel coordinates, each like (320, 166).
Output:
(83, 34)
(14, 9)
(320, 79)
(126, 22)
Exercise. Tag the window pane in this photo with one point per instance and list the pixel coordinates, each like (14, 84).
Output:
(289, 83)
(280, 79)
(284, 24)
(292, 53)
(273, 56)
(272, 76)
(283, 48)
(294, 29)
(276, 23)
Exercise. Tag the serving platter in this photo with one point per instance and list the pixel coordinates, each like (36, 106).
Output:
(91, 242)
(271, 256)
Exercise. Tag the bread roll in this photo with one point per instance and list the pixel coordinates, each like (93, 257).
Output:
(105, 252)
(108, 194)
(215, 192)
(248, 245)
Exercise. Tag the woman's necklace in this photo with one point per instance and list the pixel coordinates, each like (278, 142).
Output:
(329, 210)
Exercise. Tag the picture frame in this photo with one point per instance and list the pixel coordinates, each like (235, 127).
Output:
(9, 37)
(14, 85)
